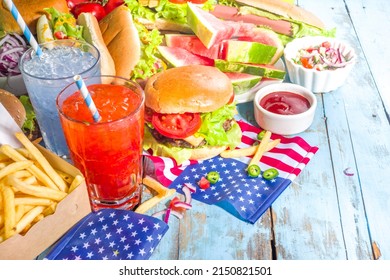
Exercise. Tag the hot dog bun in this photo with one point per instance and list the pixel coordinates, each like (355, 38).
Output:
(30, 11)
(93, 35)
(285, 10)
(122, 40)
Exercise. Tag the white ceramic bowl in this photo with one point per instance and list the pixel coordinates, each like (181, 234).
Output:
(314, 80)
(13, 84)
(284, 124)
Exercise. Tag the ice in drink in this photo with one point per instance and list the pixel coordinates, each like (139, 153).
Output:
(45, 77)
(108, 153)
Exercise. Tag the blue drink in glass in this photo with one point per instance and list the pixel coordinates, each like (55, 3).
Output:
(45, 77)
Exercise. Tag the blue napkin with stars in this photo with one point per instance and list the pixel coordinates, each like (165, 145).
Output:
(110, 234)
(245, 197)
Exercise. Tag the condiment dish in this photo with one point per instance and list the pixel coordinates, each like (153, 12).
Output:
(332, 64)
(295, 106)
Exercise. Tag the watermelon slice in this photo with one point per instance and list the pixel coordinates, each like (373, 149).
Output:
(264, 36)
(267, 71)
(247, 52)
(242, 82)
(192, 44)
(209, 29)
(177, 57)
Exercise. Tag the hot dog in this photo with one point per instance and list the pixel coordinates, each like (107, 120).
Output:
(288, 20)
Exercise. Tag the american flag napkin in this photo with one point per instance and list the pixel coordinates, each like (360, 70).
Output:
(245, 197)
(110, 234)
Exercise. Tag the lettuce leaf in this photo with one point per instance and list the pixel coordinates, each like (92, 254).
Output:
(137, 10)
(64, 22)
(164, 10)
(148, 64)
(212, 127)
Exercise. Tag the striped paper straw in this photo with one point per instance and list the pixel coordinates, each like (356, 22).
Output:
(87, 97)
(22, 24)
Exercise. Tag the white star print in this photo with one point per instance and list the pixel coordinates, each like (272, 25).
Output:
(137, 242)
(149, 238)
(156, 226)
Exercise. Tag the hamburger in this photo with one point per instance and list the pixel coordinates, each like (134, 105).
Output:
(190, 113)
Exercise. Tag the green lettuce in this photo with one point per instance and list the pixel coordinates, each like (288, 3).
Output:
(211, 129)
(139, 11)
(64, 22)
(164, 10)
(148, 64)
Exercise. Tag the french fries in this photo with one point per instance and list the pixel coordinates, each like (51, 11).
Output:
(250, 151)
(30, 188)
(162, 194)
(261, 149)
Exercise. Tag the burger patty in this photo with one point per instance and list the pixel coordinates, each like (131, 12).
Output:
(182, 143)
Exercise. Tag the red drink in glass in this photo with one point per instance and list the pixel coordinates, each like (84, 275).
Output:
(109, 152)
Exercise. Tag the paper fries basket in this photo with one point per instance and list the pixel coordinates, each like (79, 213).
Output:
(46, 232)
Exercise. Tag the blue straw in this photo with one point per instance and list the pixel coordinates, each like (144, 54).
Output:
(87, 97)
(22, 24)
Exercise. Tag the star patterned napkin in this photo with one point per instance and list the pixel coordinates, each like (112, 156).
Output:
(245, 197)
(110, 234)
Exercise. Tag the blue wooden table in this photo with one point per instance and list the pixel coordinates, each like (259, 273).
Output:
(323, 214)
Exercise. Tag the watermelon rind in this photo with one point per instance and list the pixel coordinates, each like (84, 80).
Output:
(248, 52)
(242, 82)
(176, 57)
(201, 27)
(253, 69)
(268, 37)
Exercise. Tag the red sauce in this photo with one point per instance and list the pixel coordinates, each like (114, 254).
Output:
(285, 103)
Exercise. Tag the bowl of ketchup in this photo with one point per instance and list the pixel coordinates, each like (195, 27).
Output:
(284, 108)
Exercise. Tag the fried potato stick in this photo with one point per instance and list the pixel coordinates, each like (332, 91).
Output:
(38, 191)
(78, 179)
(250, 151)
(28, 218)
(41, 176)
(14, 167)
(57, 179)
(260, 149)
(9, 211)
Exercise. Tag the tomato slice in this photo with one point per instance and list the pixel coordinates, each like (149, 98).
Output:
(178, 1)
(177, 126)
(204, 183)
(60, 35)
(306, 63)
(197, 1)
(112, 4)
(94, 8)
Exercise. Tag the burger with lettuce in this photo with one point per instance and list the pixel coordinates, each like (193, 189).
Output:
(190, 113)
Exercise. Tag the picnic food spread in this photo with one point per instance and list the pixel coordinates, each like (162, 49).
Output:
(192, 59)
